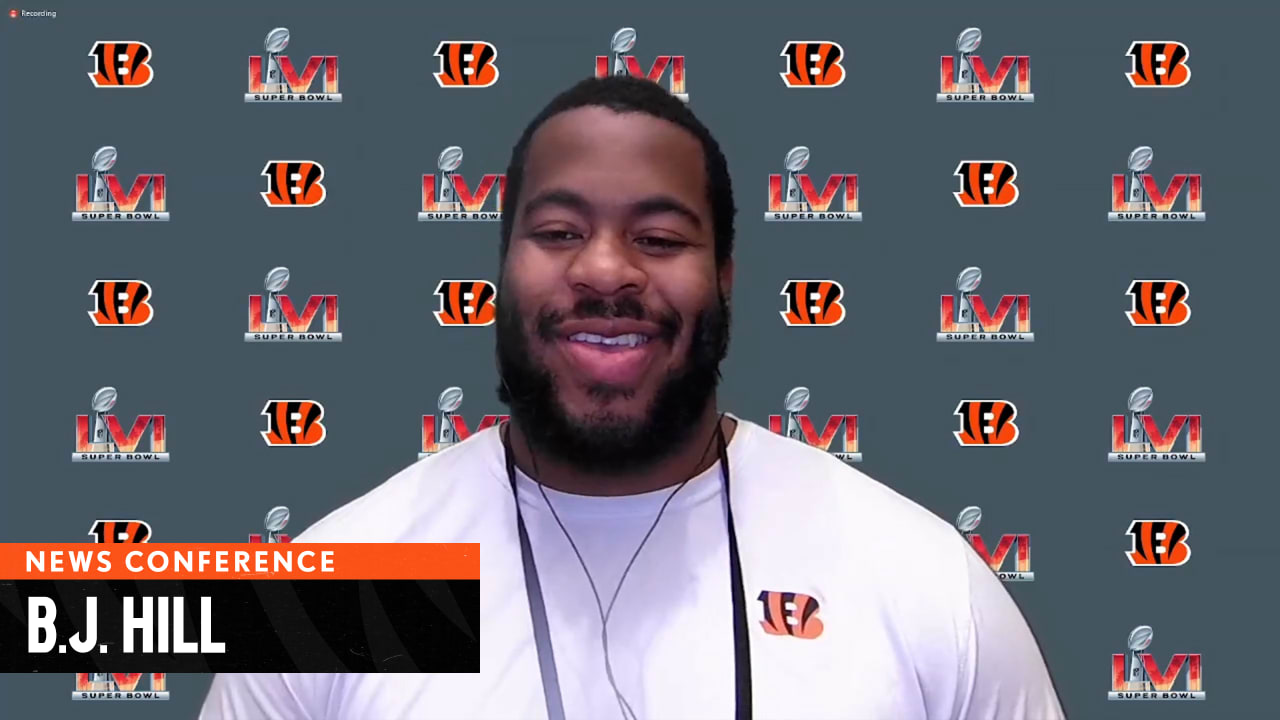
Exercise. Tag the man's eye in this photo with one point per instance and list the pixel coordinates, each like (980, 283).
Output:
(555, 235)
(660, 243)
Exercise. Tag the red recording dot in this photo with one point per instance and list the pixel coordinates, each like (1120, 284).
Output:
(13, 13)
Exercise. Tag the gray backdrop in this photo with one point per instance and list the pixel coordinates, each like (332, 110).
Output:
(882, 363)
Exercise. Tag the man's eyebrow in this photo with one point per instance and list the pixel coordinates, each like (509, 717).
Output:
(557, 198)
(659, 204)
(570, 200)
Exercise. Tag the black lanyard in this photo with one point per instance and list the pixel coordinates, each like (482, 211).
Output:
(541, 630)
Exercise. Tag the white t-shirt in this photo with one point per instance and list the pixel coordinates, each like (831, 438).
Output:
(914, 626)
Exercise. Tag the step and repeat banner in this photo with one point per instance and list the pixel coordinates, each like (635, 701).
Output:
(1013, 262)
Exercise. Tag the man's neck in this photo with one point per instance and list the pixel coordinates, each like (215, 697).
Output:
(698, 454)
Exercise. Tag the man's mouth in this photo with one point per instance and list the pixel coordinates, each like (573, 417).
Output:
(613, 352)
(628, 340)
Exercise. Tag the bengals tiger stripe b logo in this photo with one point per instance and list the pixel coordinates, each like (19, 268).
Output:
(466, 63)
(791, 614)
(1159, 542)
(1158, 302)
(813, 64)
(1159, 63)
(986, 422)
(120, 531)
(813, 302)
(293, 183)
(120, 302)
(120, 63)
(466, 302)
(293, 423)
(986, 183)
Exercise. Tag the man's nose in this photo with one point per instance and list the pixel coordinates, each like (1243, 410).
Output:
(607, 265)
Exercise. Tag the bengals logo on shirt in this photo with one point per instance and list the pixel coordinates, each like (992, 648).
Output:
(792, 614)
(1158, 302)
(466, 302)
(293, 423)
(1159, 542)
(466, 63)
(813, 64)
(986, 183)
(120, 302)
(813, 302)
(1158, 64)
(121, 64)
(293, 183)
(120, 531)
(986, 422)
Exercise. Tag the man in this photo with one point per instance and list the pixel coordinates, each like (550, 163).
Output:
(616, 581)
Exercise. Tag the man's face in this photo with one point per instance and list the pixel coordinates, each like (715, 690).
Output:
(612, 312)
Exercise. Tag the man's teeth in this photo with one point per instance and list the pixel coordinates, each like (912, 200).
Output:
(628, 340)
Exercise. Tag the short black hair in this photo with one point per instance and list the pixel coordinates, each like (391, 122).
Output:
(626, 94)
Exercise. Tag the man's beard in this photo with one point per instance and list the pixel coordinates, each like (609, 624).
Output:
(604, 442)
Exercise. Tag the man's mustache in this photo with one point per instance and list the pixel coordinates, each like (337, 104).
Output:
(586, 308)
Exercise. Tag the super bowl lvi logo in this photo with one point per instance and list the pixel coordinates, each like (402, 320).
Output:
(1144, 679)
(446, 196)
(1136, 196)
(794, 197)
(101, 437)
(273, 317)
(274, 78)
(966, 78)
(447, 427)
(621, 62)
(1138, 437)
(966, 317)
(102, 197)
(967, 523)
(797, 425)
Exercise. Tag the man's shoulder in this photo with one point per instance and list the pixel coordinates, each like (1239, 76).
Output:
(816, 485)
(857, 540)
(402, 508)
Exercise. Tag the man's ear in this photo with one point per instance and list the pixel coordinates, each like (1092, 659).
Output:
(725, 275)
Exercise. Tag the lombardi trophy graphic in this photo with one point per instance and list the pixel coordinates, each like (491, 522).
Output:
(966, 44)
(1139, 401)
(966, 283)
(793, 404)
(275, 521)
(968, 520)
(448, 403)
(795, 161)
(273, 78)
(622, 42)
(102, 161)
(272, 313)
(446, 195)
(1139, 640)
(1139, 160)
(102, 402)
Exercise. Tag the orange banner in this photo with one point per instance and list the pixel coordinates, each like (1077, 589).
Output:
(240, 561)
